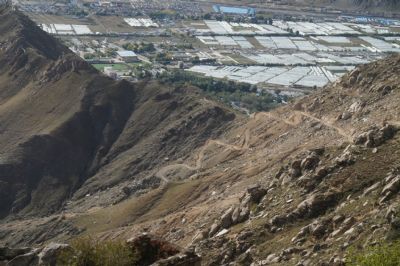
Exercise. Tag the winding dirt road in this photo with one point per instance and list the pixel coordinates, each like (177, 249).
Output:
(161, 173)
(275, 117)
(339, 130)
(164, 170)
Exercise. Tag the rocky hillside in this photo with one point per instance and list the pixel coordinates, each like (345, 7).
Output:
(67, 131)
(301, 185)
(330, 178)
(296, 186)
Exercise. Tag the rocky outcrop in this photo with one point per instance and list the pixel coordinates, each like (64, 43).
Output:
(313, 206)
(391, 187)
(344, 226)
(254, 194)
(239, 213)
(376, 137)
(346, 158)
(316, 204)
(302, 167)
(28, 259)
(7, 253)
(187, 258)
(46, 256)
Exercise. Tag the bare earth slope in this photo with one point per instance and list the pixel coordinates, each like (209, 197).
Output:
(65, 127)
(327, 170)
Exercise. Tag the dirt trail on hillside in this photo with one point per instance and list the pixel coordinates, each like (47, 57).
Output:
(294, 120)
(198, 165)
(339, 130)
(275, 117)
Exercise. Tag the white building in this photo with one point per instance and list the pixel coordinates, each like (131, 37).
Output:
(127, 56)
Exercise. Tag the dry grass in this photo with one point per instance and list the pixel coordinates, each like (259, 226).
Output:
(91, 252)
(152, 205)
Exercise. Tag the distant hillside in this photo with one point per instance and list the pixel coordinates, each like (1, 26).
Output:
(374, 6)
(377, 3)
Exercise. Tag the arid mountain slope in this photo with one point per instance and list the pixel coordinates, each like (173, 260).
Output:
(327, 170)
(65, 127)
(295, 186)
(300, 184)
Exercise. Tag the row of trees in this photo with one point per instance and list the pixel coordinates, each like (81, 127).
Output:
(162, 58)
(109, 52)
(177, 47)
(229, 92)
(139, 47)
(205, 83)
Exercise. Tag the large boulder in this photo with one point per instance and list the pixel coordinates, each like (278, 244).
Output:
(316, 204)
(278, 220)
(243, 214)
(310, 180)
(356, 107)
(319, 229)
(48, 256)
(295, 169)
(256, 193)
(272, 258)
(346, 158)
(187, 258)
(235, 215)
(28, 259)
(376, 137)
(304, 231)
(391, 188)
(310, 162)
(214, 228)
(226, 218)
(7, 253)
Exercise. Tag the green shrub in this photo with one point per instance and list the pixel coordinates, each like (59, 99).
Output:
(380, 255)
(89, 252)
